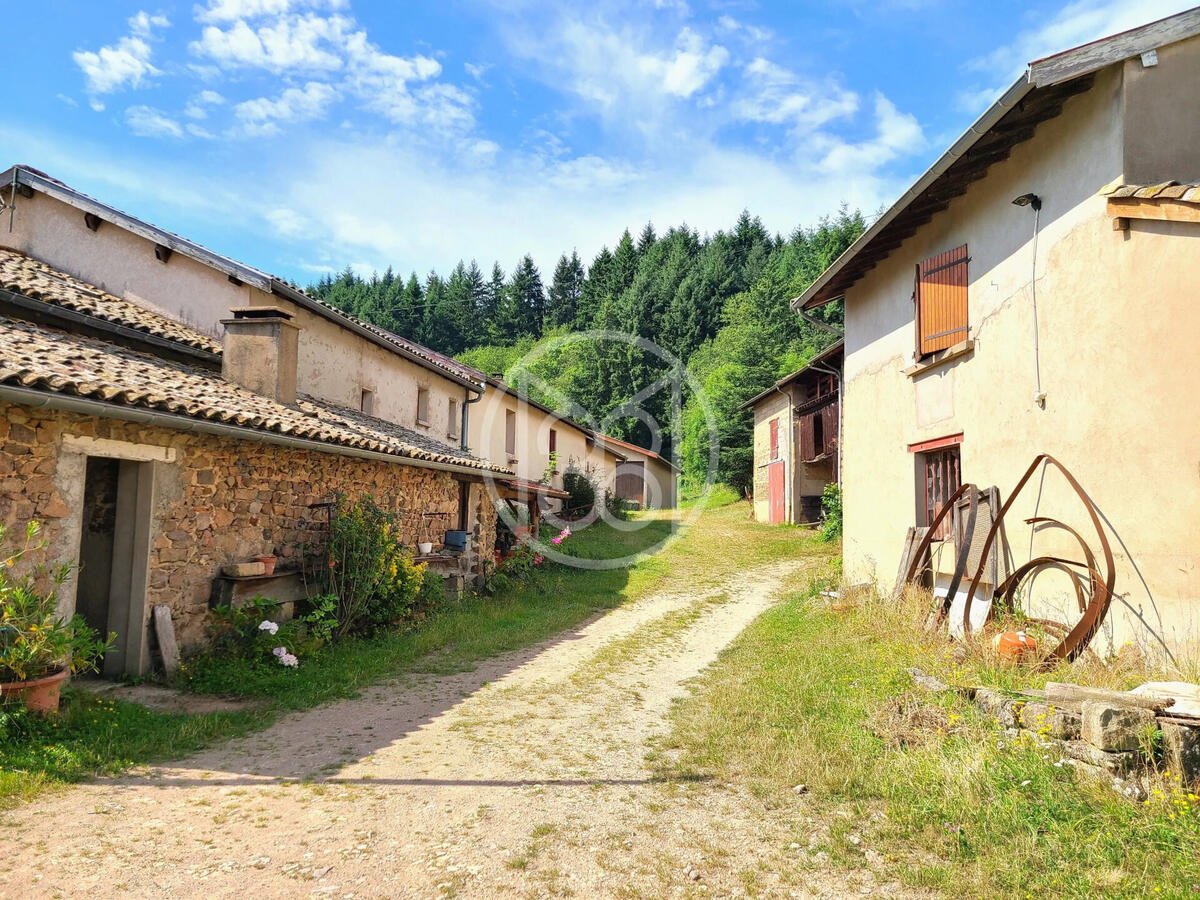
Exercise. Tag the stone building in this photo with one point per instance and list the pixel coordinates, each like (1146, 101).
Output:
(154, 454)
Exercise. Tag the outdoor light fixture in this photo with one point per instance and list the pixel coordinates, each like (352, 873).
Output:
(1028, 200)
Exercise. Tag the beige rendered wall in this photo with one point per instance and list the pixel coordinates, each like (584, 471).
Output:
(1118, 327)
(335, 364)
(773, 407)
(1162, 126)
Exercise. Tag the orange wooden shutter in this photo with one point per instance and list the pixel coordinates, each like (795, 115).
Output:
(942, 300)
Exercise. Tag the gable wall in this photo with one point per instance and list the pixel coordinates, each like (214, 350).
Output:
(1117, 325)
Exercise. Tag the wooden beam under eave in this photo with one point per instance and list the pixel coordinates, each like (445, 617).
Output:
(1157, 210)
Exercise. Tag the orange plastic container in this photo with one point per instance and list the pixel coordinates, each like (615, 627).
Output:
(1014, 645)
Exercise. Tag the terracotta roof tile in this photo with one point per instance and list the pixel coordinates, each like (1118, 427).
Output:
(26, 276)
(1167, 190)
(53, 361)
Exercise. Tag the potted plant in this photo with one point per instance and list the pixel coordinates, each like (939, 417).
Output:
(38, 650)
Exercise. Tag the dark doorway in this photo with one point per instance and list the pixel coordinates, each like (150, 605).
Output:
(97, 541)
(114, 549)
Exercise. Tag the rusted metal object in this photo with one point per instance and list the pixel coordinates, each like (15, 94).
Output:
(1093, 586)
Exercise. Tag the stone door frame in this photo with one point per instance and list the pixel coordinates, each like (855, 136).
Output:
(141, 466)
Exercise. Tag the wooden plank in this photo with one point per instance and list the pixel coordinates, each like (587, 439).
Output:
(1158, 210)
(164, 630)
(914, 537)
(1099, 54)
(1075, 693)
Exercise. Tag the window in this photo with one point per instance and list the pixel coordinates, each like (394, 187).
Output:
(941, 301)
(422, 406)
(553, 441)
(453, 425)
(367, 402)
(510, 433)
(942, 476)
(774, 439)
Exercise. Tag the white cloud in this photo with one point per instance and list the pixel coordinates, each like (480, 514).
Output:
(126, 62)
(259, 117)
(308, 43)
(197, 108)
(731, 25)
(146, 121)
(286, 221)
(232, 10)
(777, 96)
(897, 134)
(142, 24)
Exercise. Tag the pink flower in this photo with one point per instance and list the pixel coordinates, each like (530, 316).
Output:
(556, 540)
(565, 533)
(539, 559)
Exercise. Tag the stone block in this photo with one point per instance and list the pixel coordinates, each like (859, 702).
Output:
(1050, 720)
(1181, 752)
(1114, 728)
(1102, 759)
(997, 705)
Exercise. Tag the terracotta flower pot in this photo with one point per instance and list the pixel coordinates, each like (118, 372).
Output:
(40, 694)
(268, 563)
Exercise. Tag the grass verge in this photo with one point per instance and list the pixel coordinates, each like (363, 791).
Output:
(94, 735)
(809, 696)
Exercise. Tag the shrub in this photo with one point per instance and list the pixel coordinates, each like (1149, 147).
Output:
(831, 507)
(360, 552)
(581, 490)
(251, 632)
(370, 576)
(617, 507)
(34, 642)
(397, 596)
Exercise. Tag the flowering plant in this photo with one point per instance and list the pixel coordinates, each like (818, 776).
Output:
(34, 640)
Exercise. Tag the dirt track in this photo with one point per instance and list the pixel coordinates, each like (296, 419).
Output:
(524, 778)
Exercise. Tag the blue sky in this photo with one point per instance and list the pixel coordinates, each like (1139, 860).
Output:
(302, 135)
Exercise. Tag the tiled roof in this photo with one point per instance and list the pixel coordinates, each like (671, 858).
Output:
(36, 280)
(53, 361)
(431, 359)
(1167, 190)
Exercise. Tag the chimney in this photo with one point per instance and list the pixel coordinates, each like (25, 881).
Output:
(260, 351)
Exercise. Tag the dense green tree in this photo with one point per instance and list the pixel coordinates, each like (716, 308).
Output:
(718, 303)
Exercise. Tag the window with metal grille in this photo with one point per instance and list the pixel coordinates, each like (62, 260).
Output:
(941, 301)
(774, 439)
(943, 476)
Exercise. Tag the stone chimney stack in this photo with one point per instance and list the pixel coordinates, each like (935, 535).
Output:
(260, 351)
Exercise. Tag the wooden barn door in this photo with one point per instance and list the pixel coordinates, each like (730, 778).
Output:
(776, 487)
(631, 481)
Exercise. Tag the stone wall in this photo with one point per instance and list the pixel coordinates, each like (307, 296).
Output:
(219, 500)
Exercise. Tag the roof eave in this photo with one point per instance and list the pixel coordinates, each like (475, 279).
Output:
(812, 297)
(231, 268)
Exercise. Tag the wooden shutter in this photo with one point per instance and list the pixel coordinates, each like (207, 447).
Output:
(942, 300)
(808, 444)
(774, 439)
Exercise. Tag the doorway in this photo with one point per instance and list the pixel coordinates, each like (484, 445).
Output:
(776, 483)
(110, 591)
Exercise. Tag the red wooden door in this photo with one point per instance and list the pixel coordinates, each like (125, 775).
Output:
(775, 490)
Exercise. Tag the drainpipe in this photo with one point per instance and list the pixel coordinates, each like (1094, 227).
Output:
(467, 401)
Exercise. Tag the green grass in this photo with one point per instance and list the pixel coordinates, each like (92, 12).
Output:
(807, 696)
(99, 736)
